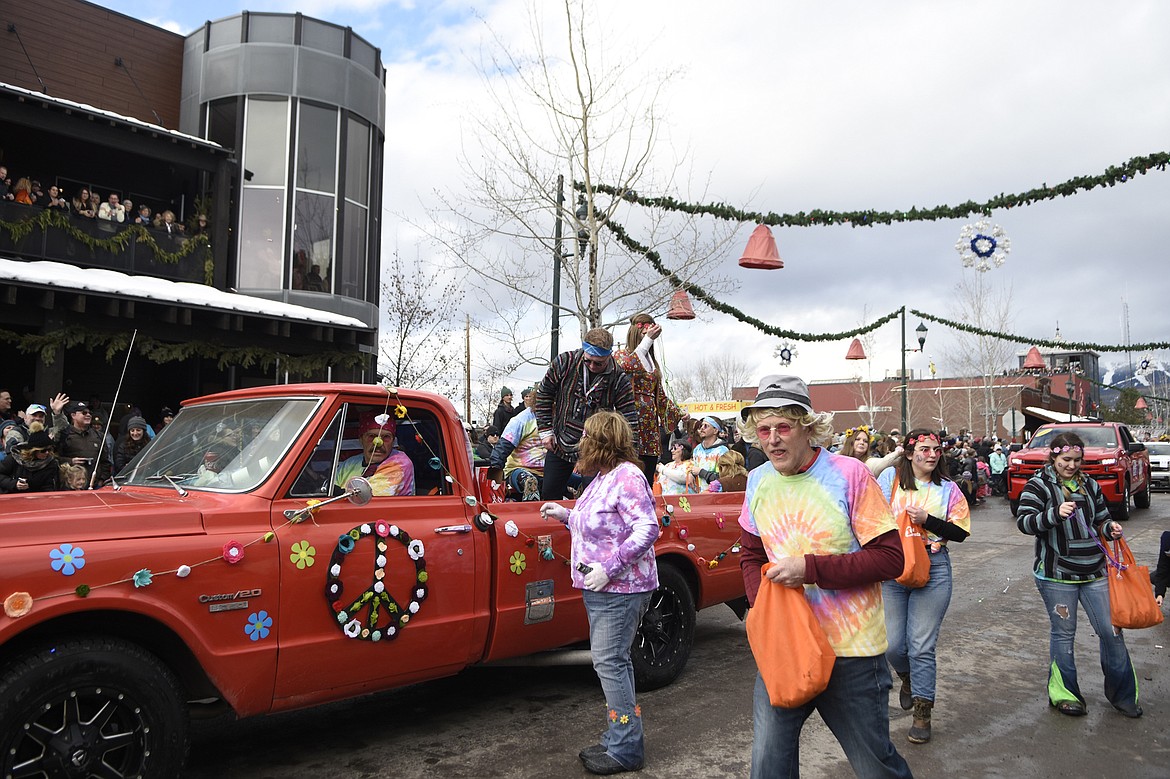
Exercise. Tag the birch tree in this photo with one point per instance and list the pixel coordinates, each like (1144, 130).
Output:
(977, 301)
(565, 106)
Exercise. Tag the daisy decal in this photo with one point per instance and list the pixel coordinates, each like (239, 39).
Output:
(517, 563)
(302, 554)
(684, 504)
(258, 624)
(67, 558)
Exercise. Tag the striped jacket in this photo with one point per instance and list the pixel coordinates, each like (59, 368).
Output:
(568, 394)
(1065, 551)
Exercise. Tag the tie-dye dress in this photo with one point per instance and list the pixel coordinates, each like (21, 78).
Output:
(834, 507)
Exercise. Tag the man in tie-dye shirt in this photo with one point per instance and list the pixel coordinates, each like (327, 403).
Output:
(520, 452)
(389, 470)
(825, 526)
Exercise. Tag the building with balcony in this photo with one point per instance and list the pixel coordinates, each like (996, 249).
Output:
(269, 125)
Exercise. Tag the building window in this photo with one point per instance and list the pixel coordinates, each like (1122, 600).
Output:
(265, 164)
(315, 209)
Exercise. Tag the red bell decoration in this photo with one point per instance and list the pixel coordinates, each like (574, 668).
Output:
(856, 352)
(1141, 403)
(1033, 361)
(680, 306)
(761, 251)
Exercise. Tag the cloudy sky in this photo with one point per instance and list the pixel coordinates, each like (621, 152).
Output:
(787, 107)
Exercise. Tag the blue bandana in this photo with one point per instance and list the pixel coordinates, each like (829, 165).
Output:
(713, 422)
(594, 351)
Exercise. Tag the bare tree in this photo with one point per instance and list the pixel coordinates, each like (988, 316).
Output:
(979, 302)
(419, 348)
(713, 378)
(566, 109)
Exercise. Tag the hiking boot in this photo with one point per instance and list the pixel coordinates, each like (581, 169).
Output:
(920, 730)
(905, 698)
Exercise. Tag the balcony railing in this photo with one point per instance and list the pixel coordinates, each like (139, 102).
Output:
(32, 233)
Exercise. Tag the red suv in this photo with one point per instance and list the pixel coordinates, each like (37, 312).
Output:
(1118, 462)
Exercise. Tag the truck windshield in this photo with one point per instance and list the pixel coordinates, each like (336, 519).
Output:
(223, 447)
(1102, 437)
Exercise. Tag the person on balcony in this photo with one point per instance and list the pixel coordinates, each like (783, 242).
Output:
(112, 210)
(84, 204)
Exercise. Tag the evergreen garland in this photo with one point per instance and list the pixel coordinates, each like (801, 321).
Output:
(655, 261)
(48, 345)
(53, 218)
(1115, 174)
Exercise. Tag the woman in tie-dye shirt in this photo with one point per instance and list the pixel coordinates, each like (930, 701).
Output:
(919, 486)
(822, 522)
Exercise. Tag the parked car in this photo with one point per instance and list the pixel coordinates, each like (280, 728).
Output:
(235, 564)
(1159, 464)
(1118, 462)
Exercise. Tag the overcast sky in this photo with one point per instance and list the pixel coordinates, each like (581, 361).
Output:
(792, 106)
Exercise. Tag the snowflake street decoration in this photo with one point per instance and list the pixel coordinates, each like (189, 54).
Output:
(785, 354)
(1144, 367)
(981, 245)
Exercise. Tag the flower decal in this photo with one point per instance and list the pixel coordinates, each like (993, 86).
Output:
(233, 552)
(67, 558)
(382, 528)
(302, 554)
(143, 578)
(720, 521)
(258, 624)
(345, 543)
(624, 719)
(17, 605)
(400, 411)
(612, 715)
(684, 504)
(511, 529)
(415, 549)
(517, 563)
(637, 710)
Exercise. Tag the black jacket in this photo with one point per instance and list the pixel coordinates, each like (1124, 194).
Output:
(42, 475)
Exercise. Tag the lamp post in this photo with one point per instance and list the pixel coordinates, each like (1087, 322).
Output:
(582, 214)
(921, 330)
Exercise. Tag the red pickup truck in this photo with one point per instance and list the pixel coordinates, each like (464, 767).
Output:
(1118, 462)
(228, 569)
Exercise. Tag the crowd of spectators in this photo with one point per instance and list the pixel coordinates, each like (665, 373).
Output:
(87, 204)
(65, 444)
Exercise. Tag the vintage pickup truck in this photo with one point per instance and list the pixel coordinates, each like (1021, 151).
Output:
(228, 570)
(1119, 463)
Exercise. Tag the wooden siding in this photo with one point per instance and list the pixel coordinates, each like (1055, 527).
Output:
(73, 46)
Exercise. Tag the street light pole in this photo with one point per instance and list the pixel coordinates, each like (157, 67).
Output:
(921, 330)
(556, 290)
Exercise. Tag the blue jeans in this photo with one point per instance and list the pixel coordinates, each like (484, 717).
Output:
(853, 706)
(613, 622)
(913, 620)
(1060, 601)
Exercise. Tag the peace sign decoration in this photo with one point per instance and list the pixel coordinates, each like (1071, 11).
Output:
(374, 614)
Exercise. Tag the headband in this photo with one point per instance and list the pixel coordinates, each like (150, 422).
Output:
(859, 429)
(594, 351)
(921, 439)
(1059, 449)
(713, 422)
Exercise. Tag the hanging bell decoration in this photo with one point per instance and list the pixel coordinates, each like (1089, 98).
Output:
(761, 251)
(680, 306)
(1141, 403)
(1033, 361)
(856, 352)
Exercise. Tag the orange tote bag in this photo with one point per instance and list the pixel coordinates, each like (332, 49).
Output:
(1131, 598)
(794, 656)
(916, 569)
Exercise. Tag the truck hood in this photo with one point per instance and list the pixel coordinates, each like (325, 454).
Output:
(97, 515)
(1092, 453)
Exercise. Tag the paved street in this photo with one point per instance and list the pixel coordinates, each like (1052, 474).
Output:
(991, 718)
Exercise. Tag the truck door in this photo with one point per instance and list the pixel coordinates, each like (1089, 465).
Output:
(386, 593)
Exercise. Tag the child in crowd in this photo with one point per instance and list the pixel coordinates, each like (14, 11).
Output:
(72, 477)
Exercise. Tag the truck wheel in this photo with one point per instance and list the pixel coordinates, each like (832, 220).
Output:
(1120, 511)
(1141, 499)
(1014, 505)
(664, 638)
(91, 707)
